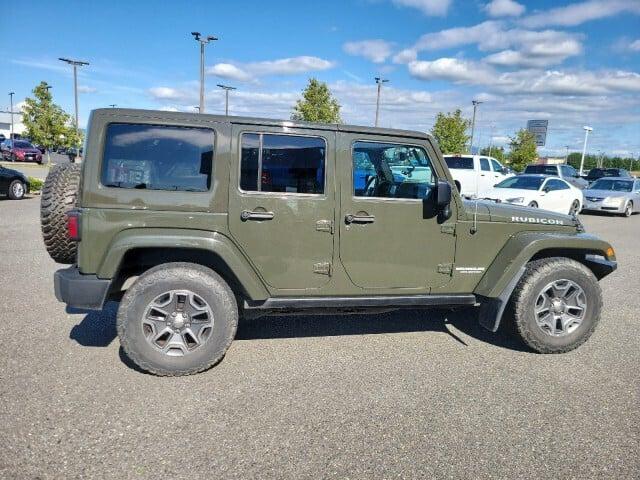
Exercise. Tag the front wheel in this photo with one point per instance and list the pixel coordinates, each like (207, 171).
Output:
(533, 204)
(628, 209)
(17, 190)
(556, 305)
(177, 319)
(575, 207)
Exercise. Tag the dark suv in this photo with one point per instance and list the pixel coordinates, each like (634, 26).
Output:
(597, 173)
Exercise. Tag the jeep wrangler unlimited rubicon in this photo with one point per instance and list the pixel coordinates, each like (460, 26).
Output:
(192, 221)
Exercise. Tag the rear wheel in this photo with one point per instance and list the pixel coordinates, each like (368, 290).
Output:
(177, 319)
(17, 190)
(556, 305)
(59, 195)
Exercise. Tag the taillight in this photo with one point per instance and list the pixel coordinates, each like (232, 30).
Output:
(73, 224)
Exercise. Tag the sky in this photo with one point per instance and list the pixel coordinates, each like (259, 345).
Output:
(572, 63)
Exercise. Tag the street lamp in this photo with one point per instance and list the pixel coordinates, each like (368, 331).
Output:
(202, 41)
(11, 94)
(75, 64)
(584, 148)
(226, 89)
(473, 122)
(379, 81)
(566, 157)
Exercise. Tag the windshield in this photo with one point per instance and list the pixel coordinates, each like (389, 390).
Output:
(526, 183)
(614, 185)
(463, 163)
(543, 169)
(22, 145)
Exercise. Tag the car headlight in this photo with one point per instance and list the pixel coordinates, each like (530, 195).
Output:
(612, 201)
(515, 200)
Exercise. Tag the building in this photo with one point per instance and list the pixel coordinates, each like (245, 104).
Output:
(5, 124)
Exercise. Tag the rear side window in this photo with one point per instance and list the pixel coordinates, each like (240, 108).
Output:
(461, 163)
(543, 169)
(158, 157)
(282, 163)
(484, 164)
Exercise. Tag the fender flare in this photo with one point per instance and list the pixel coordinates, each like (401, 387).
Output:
(502, 277)
(213, 242)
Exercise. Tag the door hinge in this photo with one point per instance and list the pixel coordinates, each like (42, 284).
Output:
(325, 226)
(449, 228)
(446, 268)
(322, 268)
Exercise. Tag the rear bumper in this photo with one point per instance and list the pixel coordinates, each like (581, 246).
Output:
(80, 291)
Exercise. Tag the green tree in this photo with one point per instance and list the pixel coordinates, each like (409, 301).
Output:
(317, 104)
(523, 149)
(495, 152)
(450, 130)
(46, 123)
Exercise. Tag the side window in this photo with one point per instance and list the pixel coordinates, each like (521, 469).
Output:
(565, 171)
(637, 189)
(553, 185)
(157, 157)
(282, 163)
(385, 170)
(496, 166)
(572, 171)
(484, 164)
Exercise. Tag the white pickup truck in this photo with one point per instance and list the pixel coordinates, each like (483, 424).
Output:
(475, 175)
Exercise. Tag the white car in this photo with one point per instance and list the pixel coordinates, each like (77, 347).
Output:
(539, 191)
(475, 175)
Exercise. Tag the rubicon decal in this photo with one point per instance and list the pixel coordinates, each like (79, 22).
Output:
(544, 221)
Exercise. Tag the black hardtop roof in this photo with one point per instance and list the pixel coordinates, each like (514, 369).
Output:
(190, 117)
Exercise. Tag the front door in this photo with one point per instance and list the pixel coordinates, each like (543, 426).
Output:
(390, 235)
(281, 204)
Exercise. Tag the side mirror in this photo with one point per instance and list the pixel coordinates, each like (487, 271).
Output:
(443, 194)
(505, 170)
(546, 189)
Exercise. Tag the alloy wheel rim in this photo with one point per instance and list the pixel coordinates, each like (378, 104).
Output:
(627, 210)
(177, 322)
(18, 190)
(574, 207)
(560, 308)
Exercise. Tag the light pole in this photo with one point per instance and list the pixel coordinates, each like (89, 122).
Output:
(11, 94)
(566, 157)
(226, 89)
(202, 41)
(379, 81)
(473, 122)
(584, 147)
(75, 64)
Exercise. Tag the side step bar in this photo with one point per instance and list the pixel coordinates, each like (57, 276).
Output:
(356, 302)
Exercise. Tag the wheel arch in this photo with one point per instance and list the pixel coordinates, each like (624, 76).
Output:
(135, 251)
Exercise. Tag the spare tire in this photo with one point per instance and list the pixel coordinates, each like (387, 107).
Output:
(59, 195)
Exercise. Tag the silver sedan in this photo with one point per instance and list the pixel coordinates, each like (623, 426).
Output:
(613, 195)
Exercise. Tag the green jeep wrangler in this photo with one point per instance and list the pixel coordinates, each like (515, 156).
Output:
(194, 221)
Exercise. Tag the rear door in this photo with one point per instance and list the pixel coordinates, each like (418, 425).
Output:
(485, 179)
(281, 203)
(390, 234)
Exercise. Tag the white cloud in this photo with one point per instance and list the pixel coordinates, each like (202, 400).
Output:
(504, 8)
(284, 66)
(578, 13)
(635, 46)
(537, 54)
(405, 56)
(453, 70)
(375, 50)
(436, 8)
(86, 89)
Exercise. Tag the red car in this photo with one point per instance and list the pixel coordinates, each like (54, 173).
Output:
(20, 151)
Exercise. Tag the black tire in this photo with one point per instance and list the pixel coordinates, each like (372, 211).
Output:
(533, 204)
(59, 195)
(16, 193)
(539, 274)
(458, 186)
(574, 209)
(204, 283)
(628, 210)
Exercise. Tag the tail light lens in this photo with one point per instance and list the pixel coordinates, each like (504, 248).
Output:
(73, 224)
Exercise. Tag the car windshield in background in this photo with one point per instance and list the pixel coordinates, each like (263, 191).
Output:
(542, 169)
(525, 183)
(22, 145)
(462, 163)
(614, 185)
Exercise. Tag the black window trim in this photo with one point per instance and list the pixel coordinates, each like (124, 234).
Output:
(389, 199)
(278, 194)
(153, 124)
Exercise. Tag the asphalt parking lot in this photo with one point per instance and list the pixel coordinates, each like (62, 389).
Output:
(400, 395)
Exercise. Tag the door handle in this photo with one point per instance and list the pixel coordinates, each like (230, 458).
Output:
(249, 215)
(350, 218)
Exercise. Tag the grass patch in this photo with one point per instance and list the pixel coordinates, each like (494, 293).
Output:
(35, 184)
